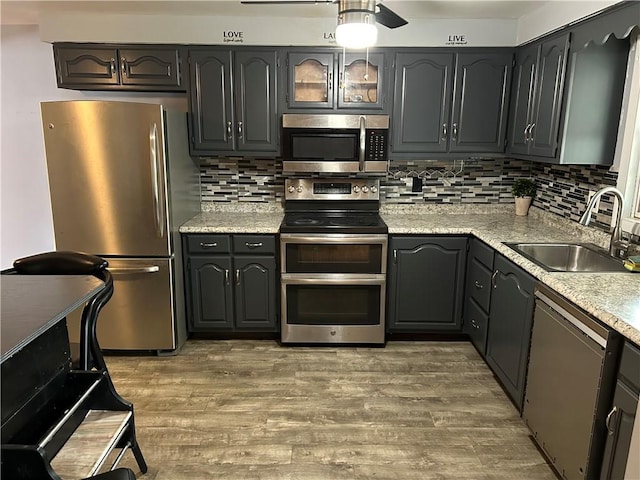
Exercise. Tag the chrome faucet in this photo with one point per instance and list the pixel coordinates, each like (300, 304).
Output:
(618, 247)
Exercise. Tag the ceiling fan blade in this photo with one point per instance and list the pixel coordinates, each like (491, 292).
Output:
(285, 2)
(388, 18)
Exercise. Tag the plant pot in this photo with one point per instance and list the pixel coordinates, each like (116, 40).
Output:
(522, 205)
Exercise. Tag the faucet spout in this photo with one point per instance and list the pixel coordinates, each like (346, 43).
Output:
(617, 246)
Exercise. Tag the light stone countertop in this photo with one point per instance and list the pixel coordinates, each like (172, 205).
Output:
(613, 298)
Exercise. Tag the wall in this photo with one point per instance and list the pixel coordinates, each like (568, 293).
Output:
(27, 77)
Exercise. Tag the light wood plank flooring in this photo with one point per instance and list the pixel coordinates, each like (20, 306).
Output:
(257, 410)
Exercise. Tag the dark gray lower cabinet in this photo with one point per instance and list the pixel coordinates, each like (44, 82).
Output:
(231, 283)
(510, 319)
(426, 283)
(478, 293)
(621, 418)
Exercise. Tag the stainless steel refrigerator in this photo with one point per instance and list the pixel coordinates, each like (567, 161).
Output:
(122, 182)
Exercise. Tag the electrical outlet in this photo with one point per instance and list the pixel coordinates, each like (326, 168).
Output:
(417, 184)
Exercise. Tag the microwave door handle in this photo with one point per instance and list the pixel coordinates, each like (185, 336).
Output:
(363, 130)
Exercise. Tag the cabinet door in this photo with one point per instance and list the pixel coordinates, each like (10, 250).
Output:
(625, 400)
(255, 100)
(548, 96)
(521, 99)
(86, 66)
(426, 284)
(422, 101)
(150, 67)
(480, 102)
(360, 82)
(211, 293)
(212, 121)
(311, 80)
(255, 293)
(510, 319)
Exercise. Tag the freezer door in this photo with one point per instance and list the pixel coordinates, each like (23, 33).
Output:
(140, 315)
(107, 177)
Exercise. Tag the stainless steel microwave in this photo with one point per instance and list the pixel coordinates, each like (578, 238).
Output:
(334, 143)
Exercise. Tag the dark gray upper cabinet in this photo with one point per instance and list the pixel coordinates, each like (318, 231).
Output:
(426, 283)
(510, 319)
(537, 94)
(422, 102)
(231, 283)
(104, 67)
(233, 101)
(328, 79)
(450, 102)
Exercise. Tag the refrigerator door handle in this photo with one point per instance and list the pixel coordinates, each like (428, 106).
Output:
(130, 271)
(155, 181)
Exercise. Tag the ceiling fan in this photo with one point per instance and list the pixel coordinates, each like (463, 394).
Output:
(383, 15)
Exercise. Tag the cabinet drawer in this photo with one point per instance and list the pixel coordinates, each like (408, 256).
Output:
(209, 244)
(254, 244)
(630, 365)
(479, 283)
(475, 325)
(483, 253)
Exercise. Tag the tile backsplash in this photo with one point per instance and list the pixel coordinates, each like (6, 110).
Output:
(562, 190)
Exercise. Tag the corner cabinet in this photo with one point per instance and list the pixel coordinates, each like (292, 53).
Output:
(121, 67)
(537, 95)
(324, 79)
(231, 283)
(510, 320)
(450, 103)
(233, 101)
(426, 283)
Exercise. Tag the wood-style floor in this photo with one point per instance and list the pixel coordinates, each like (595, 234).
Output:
(257, 410)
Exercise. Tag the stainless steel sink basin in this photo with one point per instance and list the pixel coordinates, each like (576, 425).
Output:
(569, 257)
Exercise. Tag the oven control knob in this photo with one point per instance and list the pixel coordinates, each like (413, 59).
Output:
(374, 189)
(291, 189)
(356, 189)
(299, 188)
(365, 189)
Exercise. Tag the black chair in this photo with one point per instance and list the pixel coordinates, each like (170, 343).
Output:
(76, 263)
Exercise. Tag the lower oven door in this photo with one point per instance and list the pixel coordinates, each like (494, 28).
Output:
(333, 308)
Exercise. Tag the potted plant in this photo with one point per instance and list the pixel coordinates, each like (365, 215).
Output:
(523, 189)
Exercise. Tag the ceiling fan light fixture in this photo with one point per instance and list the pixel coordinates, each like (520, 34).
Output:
(356, 24)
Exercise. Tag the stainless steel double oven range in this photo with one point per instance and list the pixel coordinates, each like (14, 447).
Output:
(333, 262)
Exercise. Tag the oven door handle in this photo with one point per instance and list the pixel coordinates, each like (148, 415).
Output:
(332, 279)
(345, 239)
(363, 138)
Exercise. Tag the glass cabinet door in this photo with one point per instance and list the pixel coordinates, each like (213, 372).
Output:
(311, 80)
(360, 81)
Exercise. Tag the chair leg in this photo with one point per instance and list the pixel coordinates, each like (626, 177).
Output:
(137, 453)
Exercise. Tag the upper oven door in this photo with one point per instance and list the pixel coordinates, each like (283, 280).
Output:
(334, 253)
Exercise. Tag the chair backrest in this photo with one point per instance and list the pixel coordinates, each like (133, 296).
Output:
(76, 263)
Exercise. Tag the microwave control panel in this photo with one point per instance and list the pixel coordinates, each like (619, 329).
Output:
(376, 149)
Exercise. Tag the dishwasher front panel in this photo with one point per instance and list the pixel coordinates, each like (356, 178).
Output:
(565, 368)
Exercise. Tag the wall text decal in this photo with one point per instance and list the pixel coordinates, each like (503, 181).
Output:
(232, 36)
(456, 40)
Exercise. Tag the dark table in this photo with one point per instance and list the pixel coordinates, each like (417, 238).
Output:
(32, 304)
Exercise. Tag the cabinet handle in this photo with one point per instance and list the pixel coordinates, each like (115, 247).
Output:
(226, 277)
(330, 82)
(253, 245)
(208, 245)
(478, 285)
(607, 422)
(395, 255)
(237, 276)
(526, 133)
(113, 66)
(531, 137)
(444, 131)
(229, 130)
(124, 66)
(474, 324)
(239, 129)
(493, 278)
(455, 131)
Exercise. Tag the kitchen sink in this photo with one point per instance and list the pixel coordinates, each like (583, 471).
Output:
(569, 257)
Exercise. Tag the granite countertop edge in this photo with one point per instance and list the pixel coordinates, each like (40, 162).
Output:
(492, 226)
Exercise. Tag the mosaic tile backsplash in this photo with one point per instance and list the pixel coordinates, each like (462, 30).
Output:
(562, 189)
